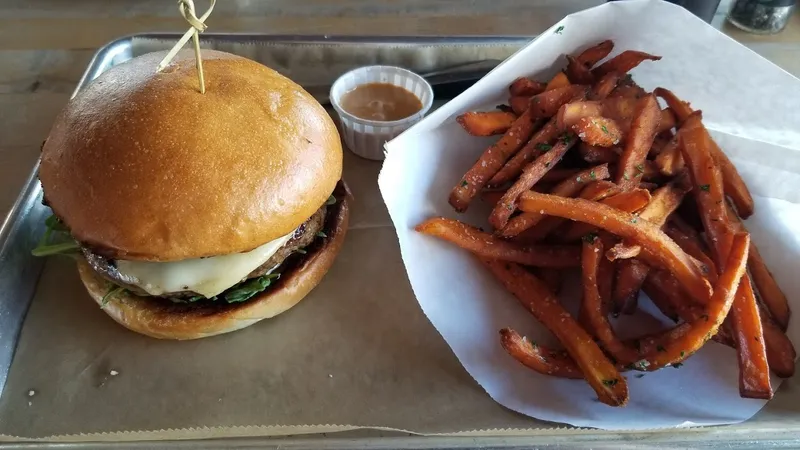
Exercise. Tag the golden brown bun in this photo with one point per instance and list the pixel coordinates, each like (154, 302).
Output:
(142, 166)
(159, 318)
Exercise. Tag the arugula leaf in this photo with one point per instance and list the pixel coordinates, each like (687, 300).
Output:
(249, 288)
(55, 249)
(112, 292)
(55, 228)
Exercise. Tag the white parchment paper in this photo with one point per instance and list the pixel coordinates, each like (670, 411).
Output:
(752, 108)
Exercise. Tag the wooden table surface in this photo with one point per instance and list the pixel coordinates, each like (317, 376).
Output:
(46, 44)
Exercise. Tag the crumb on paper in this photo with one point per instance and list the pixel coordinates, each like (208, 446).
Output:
(113, 373)
(330, 375)
(31, 393)
(30, 403)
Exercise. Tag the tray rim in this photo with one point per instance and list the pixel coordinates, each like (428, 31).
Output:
(557, 436)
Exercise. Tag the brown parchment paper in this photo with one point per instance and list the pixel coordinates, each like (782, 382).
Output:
(356, 353)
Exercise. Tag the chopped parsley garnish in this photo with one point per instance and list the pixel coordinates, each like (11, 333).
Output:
(592, 175)
(464, 183)
(660, 348)
(605, 130)
(331, 201)
(543, 147)
(612, 382)
(590, 238)
(640, 168)
(677, 365)
(705, 187)
(321, 234)
(559, 29)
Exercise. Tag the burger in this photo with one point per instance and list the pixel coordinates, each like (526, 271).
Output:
(194, 214)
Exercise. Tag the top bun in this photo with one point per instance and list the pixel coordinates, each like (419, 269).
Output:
(142, 166)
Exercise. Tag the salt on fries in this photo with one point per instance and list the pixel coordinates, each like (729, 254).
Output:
(594, 173)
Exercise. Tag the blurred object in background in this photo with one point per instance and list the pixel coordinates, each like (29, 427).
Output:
(761, 16)
(704, 9)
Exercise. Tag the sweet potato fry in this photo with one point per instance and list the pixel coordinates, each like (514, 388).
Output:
(605, 272)
(600, 373)
(780, 350)
(594, 54)
(662, 287)
(665, 200)
(567, 188)
(662, 249)
(539, 143)
(538, 357)
(594, 191)
(491, 161)
(623, 251)
(546, 104)
(690, 337)
(771, 294)
(630, 276)
(627, 89)
(577, 72)
(530, 176)
(681, 109)
(569, 114)
(558, 175)
(628, 202)
(519, 103)
(623, 62)
(605, 86)
(751, 348)
(748, 331)
(599, 131)
(599, 190)
(488, 246)
(661, 141)
(693, 246)
(670, 160)
(595, 155)
(592, 304)
(734, 185)
(638, 142)
(487, 123)
(526, 87)
(560, 80)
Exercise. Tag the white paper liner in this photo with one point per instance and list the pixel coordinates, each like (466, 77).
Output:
(752, 109)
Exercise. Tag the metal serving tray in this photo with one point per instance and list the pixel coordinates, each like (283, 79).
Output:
(19, 271)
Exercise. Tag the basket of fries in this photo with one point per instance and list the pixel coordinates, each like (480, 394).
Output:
(577, 231)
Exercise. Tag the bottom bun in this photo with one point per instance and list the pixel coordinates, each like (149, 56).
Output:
(160, 318)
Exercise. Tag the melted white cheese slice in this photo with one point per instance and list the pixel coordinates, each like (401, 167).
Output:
(205, 276)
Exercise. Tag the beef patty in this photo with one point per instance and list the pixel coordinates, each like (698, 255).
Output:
(303, 236)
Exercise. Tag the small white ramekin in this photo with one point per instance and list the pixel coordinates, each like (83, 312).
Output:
(366, 137)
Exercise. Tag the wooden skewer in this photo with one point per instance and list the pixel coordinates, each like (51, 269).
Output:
(186, 7)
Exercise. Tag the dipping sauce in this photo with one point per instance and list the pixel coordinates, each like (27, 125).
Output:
(380, 101)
